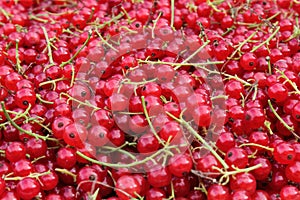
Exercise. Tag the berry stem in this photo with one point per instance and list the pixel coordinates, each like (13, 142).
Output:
(105, 42)
(241, 45)
(172, 13)
(291, 129)
(256, 145)
(86, 103)
(293, 84)
(33, 17)
(132, 164)
(268, 126)
(78, 51)
(149, 121)
(266, 41)
(48, 46)
(113, 149)
(38, 96)
(226, 175)
(195, 133)
(154, 24)
(21, 129)
(53, 82)
(180, 64)
(33, 175)
(18, 65)
(193, 54)
(65, 171)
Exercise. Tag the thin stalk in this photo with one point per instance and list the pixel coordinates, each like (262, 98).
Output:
(21, 129)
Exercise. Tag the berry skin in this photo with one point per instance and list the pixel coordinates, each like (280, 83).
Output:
(218, 192)
(289, 193)
(284, 153)
(159, 177)
(127, 187)
(296, 112)
(248, 61)
(237, 157)
(292, 172)
(25, 97)
(66, 158)
(75, 135)
(28, 188)
(278, 92)
(243, 181)
(179, 165)
(15, 151)
(87, 179)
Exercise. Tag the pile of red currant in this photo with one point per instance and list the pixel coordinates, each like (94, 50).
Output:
(149, 100)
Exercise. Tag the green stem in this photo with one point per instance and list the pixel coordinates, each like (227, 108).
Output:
(241, 45)
(154, 24)
(48, 46)
(77, 52)
(121, 165)
(194, 53)
(266, 41)
(65, 171)
(180, 64)
(289, 81)
(204, 143)
(105, 42)
(291, 129)
(18, 64)
(21, 129)
(33, 175)
(38, 96)
(80, 102)
(172, 13)
(149, 121)
(256, 145)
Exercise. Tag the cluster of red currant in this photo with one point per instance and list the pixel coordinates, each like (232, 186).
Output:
(147, 99)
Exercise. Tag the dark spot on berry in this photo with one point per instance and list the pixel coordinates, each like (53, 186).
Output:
(72, 135)
(231, 119)
(60, 124)
(92, 177)
(81, 121)
(215, 43)
(110, 115)
(25, 103)
(264, 3)
(144, 88)
(25, 140)
(83, 93)
(165, 31)
(146, 103)
(137, 25)
(126, 67)
(175, 106)
(290, 157)
(230, 154)
(101, 135)
(298, 116)
(251, 63)
(247, 117)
